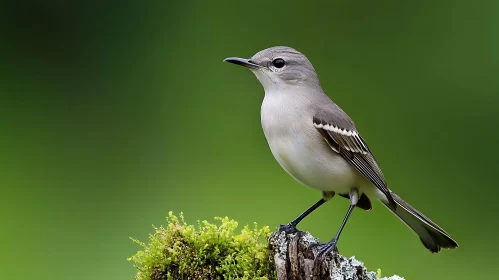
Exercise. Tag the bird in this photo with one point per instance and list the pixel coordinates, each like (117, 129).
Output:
(318, 145)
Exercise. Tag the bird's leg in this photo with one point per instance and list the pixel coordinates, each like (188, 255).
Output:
(331, 245)
(291, 226)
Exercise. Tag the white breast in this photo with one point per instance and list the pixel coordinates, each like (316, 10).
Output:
(299, 148)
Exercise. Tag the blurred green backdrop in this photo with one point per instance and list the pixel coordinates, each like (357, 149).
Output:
(115, 112)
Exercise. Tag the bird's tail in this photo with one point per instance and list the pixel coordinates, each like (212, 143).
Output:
(432, 236)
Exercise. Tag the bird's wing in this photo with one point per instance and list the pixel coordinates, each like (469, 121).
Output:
(340, 133)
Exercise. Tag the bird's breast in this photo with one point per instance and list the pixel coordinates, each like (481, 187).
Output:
(301, 150)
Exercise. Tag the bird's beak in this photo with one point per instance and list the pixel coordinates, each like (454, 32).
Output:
(243, 62)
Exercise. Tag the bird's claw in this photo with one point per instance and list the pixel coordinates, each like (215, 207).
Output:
(316, 244)
(324, 250)
(288, 229)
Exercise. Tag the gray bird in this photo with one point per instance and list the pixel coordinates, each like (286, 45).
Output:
(317, 143)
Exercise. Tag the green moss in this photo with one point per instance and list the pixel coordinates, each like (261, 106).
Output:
(208, 251)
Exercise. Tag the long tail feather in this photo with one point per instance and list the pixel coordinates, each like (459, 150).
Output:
(432, 236)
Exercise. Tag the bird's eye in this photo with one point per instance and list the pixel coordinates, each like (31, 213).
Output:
(278, 62)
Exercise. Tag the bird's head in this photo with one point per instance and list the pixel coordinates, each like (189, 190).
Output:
(279, 67)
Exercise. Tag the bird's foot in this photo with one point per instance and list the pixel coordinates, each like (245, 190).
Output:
(316, 244)
(324, 250)
(288, 229)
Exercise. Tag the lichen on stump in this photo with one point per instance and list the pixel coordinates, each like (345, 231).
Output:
(294, 255)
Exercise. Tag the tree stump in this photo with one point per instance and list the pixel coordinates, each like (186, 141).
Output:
(294, 259)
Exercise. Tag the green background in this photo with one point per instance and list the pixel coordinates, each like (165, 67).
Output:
(113, 113)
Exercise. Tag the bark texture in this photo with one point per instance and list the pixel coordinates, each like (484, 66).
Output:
(294, 260)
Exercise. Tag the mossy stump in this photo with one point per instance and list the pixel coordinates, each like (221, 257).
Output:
(216, 251)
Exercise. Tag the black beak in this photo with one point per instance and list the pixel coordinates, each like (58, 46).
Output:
(242, 62)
